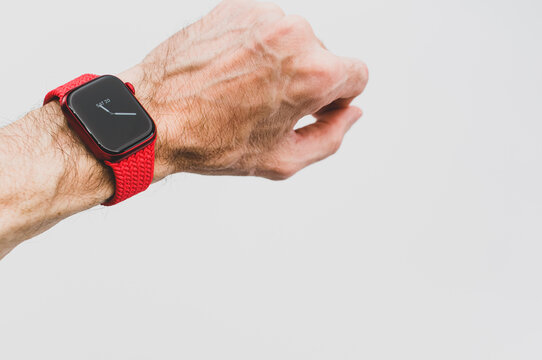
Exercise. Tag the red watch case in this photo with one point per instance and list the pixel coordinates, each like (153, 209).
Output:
(89, 141)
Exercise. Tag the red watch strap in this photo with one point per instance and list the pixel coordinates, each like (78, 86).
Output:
(134, 173)
(62, 90)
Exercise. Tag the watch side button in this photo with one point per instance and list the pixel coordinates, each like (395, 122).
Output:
(131, 87)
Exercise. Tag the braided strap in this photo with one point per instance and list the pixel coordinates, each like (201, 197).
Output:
(133, 174)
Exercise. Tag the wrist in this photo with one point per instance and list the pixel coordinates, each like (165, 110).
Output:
(75, 180)
(143, 82)
(81, 179)
(48, 175)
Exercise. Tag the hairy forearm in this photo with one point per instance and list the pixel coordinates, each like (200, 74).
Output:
(47, 175)
(225, 93)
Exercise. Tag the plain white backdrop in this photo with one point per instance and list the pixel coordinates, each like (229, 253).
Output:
(420, 239)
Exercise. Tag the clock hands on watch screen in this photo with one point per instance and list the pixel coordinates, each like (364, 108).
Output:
(114, 113)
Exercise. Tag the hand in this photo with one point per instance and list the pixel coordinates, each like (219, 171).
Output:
(227, 91)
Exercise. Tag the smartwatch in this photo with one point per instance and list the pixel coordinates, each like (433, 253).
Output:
(114, 126)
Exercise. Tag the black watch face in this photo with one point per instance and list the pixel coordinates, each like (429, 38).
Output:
(111, 114)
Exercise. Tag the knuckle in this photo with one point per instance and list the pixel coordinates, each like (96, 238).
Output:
(316, 78)
(323, 71)
(358, 70)
(290, 32)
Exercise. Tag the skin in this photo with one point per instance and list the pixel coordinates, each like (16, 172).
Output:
(225, 94)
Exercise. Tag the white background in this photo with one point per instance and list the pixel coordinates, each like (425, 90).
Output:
(420, 239)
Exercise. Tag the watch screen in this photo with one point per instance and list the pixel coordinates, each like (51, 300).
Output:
(110, 113)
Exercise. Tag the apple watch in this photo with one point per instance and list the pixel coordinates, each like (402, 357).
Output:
(114, 126)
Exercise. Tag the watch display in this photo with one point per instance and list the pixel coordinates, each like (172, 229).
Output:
(110, 113)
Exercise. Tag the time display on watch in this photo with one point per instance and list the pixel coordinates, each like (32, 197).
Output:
(110, 113)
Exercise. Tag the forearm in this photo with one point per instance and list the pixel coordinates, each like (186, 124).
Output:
(46, 175)
(225, 93)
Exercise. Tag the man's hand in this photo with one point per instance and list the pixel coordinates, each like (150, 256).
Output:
(227, 91)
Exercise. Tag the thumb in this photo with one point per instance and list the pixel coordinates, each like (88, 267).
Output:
(324, 137)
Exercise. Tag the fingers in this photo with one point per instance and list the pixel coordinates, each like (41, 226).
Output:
(349, 78)
(311, 143)
(329, 81)
(324, 137)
